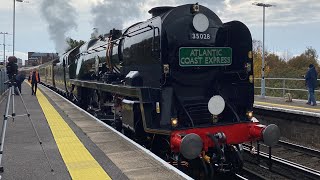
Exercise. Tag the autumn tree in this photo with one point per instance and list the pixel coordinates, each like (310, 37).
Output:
(311, 53)
(257, 60)
(299, 64)
(72, 43)
(275, 65)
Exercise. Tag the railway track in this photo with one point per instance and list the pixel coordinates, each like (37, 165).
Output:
(301, 149)
(245, 174)
(295, 153)
(288, 160)
(249, 174)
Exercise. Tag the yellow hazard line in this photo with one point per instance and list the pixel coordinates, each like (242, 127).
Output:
(286, 106)
(79, 161)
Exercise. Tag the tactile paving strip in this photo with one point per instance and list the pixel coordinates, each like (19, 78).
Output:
(79, 161)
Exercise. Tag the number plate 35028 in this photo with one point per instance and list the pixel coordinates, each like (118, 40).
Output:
(200, 36)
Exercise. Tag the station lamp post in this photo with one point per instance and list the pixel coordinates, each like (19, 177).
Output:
(263, 82)
(14, 22)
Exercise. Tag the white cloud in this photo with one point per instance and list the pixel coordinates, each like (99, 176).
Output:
(284, 12)
(18, 54)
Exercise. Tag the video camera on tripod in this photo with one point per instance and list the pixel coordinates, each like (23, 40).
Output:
(12, 69)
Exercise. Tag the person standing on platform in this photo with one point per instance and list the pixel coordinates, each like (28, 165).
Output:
(19, 80)
(311, 83)
(34, 79)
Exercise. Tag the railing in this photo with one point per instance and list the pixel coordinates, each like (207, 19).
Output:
(278, 87)
(3, 78)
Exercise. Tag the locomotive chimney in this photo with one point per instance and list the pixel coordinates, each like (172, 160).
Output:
(157, 11)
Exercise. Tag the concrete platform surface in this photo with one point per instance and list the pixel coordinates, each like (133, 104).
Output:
(23, 157)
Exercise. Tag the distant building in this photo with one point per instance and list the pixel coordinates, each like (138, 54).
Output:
(36, 58)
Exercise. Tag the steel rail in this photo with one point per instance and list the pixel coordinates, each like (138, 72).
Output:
(299, 148)
(240, 177)
(250, 175)
(285, 164)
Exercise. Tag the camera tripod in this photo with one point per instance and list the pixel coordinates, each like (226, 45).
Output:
(10, 98)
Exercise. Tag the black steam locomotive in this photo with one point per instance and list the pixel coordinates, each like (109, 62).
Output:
(180, 83)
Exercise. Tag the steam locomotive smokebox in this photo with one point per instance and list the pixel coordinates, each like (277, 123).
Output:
(157, 11)
(133, 78)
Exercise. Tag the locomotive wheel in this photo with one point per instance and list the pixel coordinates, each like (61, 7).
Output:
(196, 170)
(126, 133)
(117, 124)
(94, 99)
(161, 146)
(235, 157)
(83, 97)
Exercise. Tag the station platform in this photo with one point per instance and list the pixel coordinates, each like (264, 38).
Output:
(297, 106)
(77, 145)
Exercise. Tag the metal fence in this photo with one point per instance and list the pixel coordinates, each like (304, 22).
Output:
(278, 87)
(3, 78)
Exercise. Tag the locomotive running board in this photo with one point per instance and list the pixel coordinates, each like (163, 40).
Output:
(112, 88)
(143, 93)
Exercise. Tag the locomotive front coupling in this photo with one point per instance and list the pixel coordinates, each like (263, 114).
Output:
(191, 142)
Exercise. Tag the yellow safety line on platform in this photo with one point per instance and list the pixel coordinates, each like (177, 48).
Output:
(79, 161)
(287, 106)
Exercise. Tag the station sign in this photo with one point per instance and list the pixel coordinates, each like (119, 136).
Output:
(205, 56)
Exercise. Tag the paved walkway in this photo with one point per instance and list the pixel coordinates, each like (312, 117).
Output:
(23, 157)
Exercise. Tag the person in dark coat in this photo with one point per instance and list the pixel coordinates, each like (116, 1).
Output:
(19, 80)
(34, 79)
(311, 83)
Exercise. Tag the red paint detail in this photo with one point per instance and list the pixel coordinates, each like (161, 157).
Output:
(235, 134)
(256, 131)
(175, 142)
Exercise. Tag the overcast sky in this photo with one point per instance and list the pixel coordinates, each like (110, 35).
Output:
(41, 25)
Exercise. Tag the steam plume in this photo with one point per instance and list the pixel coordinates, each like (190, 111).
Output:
(60, 16)
(109, 14)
